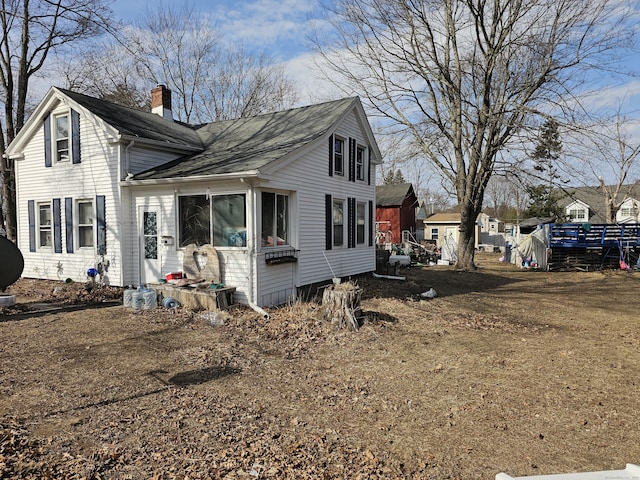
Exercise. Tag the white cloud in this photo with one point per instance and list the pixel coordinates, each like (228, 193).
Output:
(279, 27)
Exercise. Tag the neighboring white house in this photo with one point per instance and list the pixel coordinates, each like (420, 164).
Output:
(287, 199)
(629, 211)
(587, 204)
(577, 212)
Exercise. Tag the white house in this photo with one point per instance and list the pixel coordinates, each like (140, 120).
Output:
(577, 211)
(629, 211)
(587, 204)
(287, 198)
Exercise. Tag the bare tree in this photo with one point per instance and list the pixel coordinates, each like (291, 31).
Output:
(178, 47)
(463, 76)
(611, 158)
(30, 30)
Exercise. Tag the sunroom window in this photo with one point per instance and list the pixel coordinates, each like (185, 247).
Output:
(194, 220)
(275, 219)
(221, 218)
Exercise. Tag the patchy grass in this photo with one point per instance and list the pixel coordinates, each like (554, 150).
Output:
(525, 372)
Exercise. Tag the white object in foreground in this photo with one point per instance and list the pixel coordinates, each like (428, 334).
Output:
(431, 293)
(631, 472)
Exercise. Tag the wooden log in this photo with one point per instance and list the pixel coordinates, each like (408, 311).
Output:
(341, 305)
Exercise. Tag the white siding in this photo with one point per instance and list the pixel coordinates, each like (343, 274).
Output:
(95, 175)
(309, 181)
(234, 264)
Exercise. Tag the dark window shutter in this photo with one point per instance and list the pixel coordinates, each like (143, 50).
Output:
(68, 222)
(328, 206)
(372, 223)
(331, 155)
(351, 222)
(352, 159)
(75, 136)
(47, 141)
(31, 208)
(57, 226)
(101, 224)
(369, 168)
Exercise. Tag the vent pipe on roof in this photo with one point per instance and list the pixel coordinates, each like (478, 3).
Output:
(161, 102)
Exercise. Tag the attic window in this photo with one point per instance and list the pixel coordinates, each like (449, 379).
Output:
(61, 133)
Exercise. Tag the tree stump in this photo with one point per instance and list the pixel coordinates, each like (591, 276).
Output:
(341, 304)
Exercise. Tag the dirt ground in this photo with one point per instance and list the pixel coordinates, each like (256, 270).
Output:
(522, 372)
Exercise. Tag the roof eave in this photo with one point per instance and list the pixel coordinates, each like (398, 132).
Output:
(190, 179)
(164, 145)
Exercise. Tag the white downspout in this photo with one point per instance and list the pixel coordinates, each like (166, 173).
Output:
(251, 245)
(133, 226)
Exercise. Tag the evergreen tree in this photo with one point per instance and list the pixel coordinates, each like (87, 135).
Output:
(543, 200)
(393, 178)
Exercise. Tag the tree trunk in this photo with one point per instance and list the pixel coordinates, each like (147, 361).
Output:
(341, 304)
(8, 198)
(467, 240)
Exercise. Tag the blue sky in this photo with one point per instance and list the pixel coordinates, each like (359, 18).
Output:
(279, 26)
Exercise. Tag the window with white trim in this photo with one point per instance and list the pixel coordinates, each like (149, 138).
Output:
(434, 233)
(229, 220)
(274, 230)
(45, 233)
(221, 218)
(86, 222)
(577, 214)
(61, 137)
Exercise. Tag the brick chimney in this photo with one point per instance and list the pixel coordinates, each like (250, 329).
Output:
(161, 102)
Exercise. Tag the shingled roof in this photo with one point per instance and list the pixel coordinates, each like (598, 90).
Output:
(392, 195)
(138, 124)
(248, 144)
(594, 197)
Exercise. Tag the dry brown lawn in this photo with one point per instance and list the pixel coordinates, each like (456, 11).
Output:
(525, 372)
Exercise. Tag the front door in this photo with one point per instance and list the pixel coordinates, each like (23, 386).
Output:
(149, 242)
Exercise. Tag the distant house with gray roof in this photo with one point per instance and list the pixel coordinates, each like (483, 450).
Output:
(587, 204)
(286, 199)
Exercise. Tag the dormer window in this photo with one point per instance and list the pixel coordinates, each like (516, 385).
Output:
(61, 142)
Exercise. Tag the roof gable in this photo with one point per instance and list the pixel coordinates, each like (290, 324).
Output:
(115, 119)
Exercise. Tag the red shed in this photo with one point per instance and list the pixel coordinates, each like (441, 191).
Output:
(395, 211)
